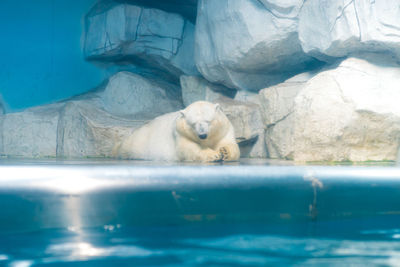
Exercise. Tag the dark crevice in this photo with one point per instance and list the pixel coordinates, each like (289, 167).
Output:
(186, 8)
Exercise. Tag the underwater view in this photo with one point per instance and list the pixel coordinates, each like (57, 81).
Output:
(252, 213)
(199, 133)
(218, 245)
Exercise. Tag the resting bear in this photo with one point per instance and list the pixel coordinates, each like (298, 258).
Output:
(201, 132)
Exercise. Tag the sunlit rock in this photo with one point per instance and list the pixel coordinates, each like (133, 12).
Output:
(31, 133)
(350, 112)
(85, 130)
(249, 44)
(195, 88)
(132, 95)
(145, 36)
(341, 28)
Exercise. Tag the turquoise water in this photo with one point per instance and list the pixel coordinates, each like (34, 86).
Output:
(126, 215)
(367, 242)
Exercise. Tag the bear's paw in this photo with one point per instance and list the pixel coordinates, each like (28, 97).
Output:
(213, 156)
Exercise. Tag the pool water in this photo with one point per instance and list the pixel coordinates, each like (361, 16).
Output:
(84, 214)
(354, 242)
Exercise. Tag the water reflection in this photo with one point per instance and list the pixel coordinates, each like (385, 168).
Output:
(23, 263)
(111, 243)
(83, 251)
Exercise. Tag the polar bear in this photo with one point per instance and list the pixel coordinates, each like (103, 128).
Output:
(201, 132)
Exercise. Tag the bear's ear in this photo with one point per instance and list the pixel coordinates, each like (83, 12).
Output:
(218, 107)
(182, 113)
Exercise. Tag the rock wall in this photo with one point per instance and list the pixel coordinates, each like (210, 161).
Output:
(249, 44)
(341, 28)
(301, 80)
(145, 36)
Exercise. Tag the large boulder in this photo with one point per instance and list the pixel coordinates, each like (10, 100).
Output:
(77, 128)
(277, 108)
(87, 131)
(249, 44)
(350, 112)
(341, 28)
(31, 133)
(131, 95)
(145, 36)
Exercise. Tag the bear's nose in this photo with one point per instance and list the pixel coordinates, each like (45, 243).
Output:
(202, 136)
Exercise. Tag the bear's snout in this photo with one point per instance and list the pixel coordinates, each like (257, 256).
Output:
(202, 129)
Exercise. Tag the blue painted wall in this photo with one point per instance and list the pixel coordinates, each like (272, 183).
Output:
(41, 59)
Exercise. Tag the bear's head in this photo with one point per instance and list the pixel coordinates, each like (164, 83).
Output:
(201, 121)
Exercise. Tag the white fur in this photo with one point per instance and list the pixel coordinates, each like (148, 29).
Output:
(175, 136)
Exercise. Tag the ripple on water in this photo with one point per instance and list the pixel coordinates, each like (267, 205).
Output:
(104, 245)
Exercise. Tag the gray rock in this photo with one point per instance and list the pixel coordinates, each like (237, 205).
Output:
(347, 113)
(71, 129)
(247, 123)
(31, 133)
(195, 88)
(277, 101)
(341, 28)
(129, 94)
(249, 44)
(87, 131)
(146, 36)
(246, 96)
(277, 105)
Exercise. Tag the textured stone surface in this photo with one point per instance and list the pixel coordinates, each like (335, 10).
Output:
(340, 28)
(246, 120)
(71, 129)
(350, 112)
(128, 94)
(246, 96)
(195, 88)
(248, 44)
(87, 131)
(146, 36)
(31, 133)
(277, 104)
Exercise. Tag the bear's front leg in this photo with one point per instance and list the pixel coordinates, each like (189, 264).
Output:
(190, 151)
(229, 152)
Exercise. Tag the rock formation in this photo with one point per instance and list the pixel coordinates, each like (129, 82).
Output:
(301, 80)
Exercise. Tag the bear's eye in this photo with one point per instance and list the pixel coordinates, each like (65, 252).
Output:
(191, 123)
